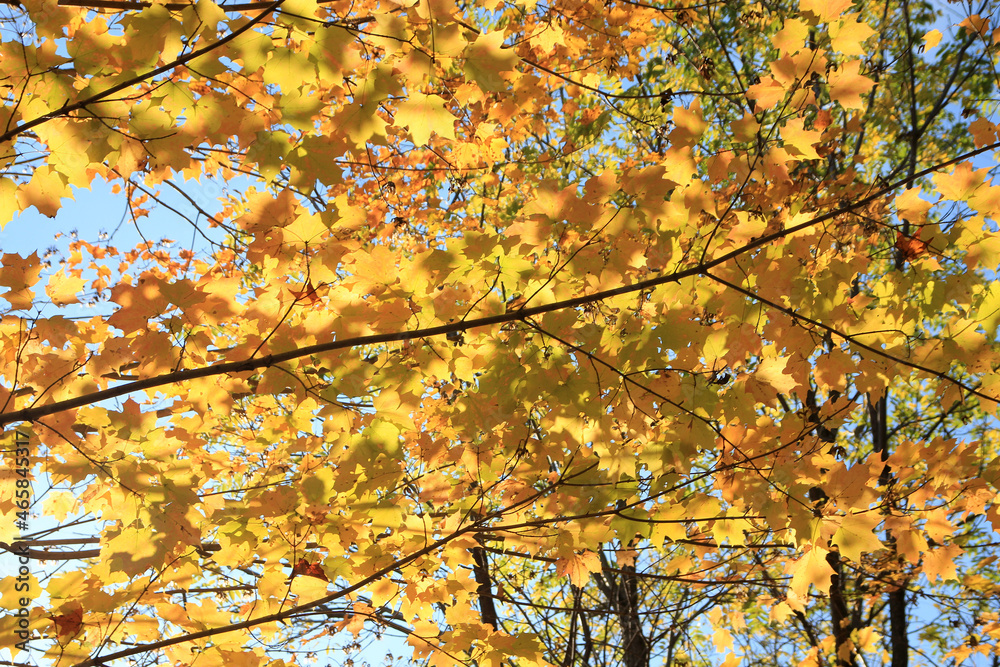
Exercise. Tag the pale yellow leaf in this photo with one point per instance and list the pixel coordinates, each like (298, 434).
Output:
(811, 569)
(425, 114)
(486, 60)
(64, 289)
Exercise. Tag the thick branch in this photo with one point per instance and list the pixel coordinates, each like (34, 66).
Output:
(481, 569)
(851, 338)
(68, 108)
(254, 363)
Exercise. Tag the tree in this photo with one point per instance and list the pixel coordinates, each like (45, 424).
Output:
(579, 333)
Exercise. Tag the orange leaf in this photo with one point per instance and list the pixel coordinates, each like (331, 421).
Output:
(307, 294)
(940, 563)
(847, 85)
(19, 274)
(976, 25)
(308, 569)
(355, 623)
(910, 247)
(68, 624)
(578, 567)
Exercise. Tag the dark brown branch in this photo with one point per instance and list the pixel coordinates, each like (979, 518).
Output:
(128, 83)
(484, 589)
(850, 338)
(252, 364)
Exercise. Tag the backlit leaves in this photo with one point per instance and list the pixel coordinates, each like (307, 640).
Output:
(486, 295)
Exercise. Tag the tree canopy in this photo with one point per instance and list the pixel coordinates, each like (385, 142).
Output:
(533, 332)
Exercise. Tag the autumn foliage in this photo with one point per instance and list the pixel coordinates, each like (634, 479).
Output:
(576, 332)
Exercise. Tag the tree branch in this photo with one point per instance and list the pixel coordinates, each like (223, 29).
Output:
(254, 363)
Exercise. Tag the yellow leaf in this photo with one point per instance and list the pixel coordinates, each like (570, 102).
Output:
(856, 535)
(910, 544)
(425, 114)
(791, 37)
(767, 93)
(868, 640)
(772, 371)
(940, 563)
(932, 38)
(689, 125)
(14, 589)
(64, 289)
(486, 61)
(849, 34)
(8, 203)
(732, 660)
(911, 206)
(578, 567)
(811, 569)
(58, 504)
(961, 183)
(799, 140)
(19, 274)
(937, 525)
(44, 192)
(722, 639)
(131, 155)
(307, 227)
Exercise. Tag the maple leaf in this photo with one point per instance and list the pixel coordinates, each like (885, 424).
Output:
(849, 35)
(64, 289)
(307, 295)
(932, 38)
(847, 85)
(355, 622)
(44, 191)
(856, 535)
(823, 10)
(68, 624)
(976, 25)
(579, 567)
(304, 567)
(425, 114)
(486, 61)
(940, 563)
(19, 274)
(475, 277)
(811, 569)
(910, 247)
